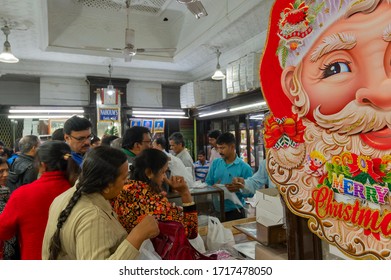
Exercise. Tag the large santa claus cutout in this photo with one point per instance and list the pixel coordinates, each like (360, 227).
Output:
(326, 75)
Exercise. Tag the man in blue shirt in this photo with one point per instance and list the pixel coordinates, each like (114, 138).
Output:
(224, 169)
(201, 166)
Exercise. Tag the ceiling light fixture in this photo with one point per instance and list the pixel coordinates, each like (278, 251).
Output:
(257, 117)
(218, 75)
(6, 56)
(160, 116)
(247, 106)
(178, 113)
(40, 116)
(213, 113)
(16, 111)
(110, 88)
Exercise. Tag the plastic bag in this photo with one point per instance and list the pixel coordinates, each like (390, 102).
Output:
(147, 251)
(198, 244)
(218, 236)
(230, 195)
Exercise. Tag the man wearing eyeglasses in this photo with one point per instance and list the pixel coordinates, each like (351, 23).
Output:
(77, 133)
(135, 140)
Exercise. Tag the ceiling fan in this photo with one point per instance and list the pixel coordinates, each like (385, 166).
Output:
(195, 6)
(130, 50)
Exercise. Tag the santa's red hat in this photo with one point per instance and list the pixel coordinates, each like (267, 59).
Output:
(294, 25)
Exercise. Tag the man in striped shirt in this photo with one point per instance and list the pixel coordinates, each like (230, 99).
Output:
(201, 167)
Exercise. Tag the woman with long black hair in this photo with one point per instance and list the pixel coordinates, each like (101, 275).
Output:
(82, 224)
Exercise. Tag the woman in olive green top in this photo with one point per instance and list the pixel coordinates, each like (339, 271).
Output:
(81, 222)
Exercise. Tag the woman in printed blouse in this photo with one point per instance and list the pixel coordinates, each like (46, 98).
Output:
(144, 195)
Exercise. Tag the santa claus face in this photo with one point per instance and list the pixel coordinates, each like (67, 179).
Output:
(346, 78)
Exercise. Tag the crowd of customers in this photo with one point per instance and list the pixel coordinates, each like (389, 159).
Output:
(58, 196)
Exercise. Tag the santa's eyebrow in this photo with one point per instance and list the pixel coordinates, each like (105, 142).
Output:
(338, 41)
(387, 33)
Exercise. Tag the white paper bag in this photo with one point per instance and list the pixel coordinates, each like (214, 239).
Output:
(218, 236)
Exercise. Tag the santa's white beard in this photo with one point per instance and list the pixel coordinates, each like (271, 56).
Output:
(354, 119)
(333, 144)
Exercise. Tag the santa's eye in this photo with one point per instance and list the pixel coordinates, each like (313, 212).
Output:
(335, 68)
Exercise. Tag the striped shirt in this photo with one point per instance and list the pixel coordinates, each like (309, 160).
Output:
(201, 170)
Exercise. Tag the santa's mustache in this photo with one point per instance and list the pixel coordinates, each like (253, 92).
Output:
(354, 119)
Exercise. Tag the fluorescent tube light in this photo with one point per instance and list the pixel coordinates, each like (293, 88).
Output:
(213, 113)
(16, 111)
(178, 113)
(39, 117)
(257, 117)
(160, 116)
(248, 106)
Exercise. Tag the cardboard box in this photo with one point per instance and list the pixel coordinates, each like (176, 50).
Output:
(270, 217)
(269, 209)
(270, 234)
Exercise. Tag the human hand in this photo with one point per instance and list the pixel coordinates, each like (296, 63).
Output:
(146, 229)
(178, 183)
(235, 186)
(150, 227)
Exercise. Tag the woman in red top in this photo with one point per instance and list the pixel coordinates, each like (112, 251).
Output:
(144, 195)
(25, 214)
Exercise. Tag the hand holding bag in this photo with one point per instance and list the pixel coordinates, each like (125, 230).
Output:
(172, 243)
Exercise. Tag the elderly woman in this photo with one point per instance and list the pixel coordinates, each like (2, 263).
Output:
(82, 224)
(144, 195)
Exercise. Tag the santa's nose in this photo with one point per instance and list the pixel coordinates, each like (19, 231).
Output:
(378, 95)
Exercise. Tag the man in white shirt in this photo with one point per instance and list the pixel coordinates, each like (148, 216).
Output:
(177, 145)
(175, 165)
(212, 137)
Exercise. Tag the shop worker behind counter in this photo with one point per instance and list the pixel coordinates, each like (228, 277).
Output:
(212, 138)
(224, 169)
(177, 145)
(77, 133)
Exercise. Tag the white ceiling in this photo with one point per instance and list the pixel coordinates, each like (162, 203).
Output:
(52, 37)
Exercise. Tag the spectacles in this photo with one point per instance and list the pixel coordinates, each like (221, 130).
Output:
(83, 138)
(2, 171)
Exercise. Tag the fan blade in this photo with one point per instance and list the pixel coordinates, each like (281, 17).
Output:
(148, 50)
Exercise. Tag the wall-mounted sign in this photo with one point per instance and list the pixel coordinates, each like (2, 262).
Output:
(158, 126)
(135, 122)
(148, 124)
(108, 114)
(328, 138)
